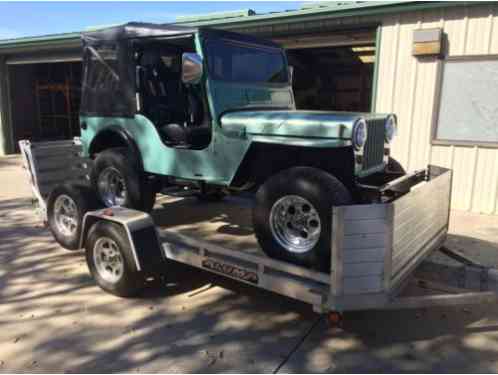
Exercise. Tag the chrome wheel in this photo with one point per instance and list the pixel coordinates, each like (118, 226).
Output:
(66, 215)
(111, 187)
(295, 223)
(108, 260)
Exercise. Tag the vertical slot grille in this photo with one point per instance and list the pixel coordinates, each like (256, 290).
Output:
(373, 153)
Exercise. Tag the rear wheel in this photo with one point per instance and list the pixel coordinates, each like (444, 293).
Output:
(292, 216)
(118, 181)
(110, 260)
(66, 207)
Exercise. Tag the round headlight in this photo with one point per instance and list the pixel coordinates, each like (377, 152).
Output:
(390, 127)
(359, 133)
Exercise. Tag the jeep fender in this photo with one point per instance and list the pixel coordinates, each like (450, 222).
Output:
(255, 167)
(114, 136)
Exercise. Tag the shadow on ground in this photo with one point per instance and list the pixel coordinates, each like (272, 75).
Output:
(56, 319)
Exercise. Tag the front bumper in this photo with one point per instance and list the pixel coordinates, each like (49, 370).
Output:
(387, 186)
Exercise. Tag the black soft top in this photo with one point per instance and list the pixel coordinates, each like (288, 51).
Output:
(133, 30)
(109, 75)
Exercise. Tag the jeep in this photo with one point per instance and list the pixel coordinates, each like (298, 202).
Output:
(165, 106)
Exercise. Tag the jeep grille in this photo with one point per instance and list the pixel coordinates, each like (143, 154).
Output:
(373, 153)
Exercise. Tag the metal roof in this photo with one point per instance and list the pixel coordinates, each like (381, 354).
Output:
(248, 18)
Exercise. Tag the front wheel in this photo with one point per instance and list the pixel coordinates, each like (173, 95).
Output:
(292, 216)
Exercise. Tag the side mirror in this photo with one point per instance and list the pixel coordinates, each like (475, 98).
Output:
(291, 74)
(191, 68)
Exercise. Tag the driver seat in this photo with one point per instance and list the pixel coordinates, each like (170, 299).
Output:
(193, 134)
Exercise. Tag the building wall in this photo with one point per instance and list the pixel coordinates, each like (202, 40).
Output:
(407, 87)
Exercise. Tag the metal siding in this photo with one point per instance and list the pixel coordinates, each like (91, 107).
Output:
(407, 87)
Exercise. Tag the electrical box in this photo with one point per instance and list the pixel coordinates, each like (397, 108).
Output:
(427, 42)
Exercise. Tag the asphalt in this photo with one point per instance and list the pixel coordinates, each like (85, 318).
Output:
(54, 318)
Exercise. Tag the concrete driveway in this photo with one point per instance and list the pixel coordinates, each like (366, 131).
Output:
(54, 318)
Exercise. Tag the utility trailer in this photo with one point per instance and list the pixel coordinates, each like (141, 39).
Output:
(379, 252)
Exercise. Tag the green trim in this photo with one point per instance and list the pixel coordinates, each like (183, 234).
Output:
(314, 14)
(216, 15)
(45, 40)
(375, 80)
(6, 131)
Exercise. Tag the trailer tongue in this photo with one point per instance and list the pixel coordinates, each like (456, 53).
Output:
(379, 252)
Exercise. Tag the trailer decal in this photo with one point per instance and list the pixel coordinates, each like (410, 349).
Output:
(232, 271)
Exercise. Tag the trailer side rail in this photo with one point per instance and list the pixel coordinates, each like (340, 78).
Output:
(51, 163)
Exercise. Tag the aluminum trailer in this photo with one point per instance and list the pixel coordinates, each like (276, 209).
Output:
(378, 251)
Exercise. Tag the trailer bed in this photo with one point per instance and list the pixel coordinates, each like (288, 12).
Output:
(376, 249)
(227, 223)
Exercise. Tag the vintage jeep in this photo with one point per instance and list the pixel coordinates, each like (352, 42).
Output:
(164, 106)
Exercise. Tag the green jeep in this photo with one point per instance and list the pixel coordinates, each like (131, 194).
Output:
(166, 106)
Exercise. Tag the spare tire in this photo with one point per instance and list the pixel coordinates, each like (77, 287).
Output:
(67, 205)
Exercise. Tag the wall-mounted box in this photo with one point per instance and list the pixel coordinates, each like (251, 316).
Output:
(427, 42)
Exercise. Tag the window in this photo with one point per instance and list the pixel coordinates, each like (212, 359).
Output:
(237, 62)
(102, 69)
(467, 111)
(101, 91)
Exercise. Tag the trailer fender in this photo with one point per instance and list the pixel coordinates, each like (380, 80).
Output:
(141, 233)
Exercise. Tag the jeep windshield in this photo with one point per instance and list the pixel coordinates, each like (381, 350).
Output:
(234, 61)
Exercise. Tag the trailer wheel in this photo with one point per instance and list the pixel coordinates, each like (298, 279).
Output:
(292, 216)
(110, 260)
(118, 181)
(66, 207)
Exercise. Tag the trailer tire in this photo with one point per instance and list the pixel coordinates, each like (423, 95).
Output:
(110, 260)
(301, 236)
(121, 164)
(66, 206)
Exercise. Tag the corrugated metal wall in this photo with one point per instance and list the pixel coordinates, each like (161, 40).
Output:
(406, 87)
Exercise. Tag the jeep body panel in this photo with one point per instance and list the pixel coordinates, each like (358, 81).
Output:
(208, 164)
(310, 128)
(240, 114)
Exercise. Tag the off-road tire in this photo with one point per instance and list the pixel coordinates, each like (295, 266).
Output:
(322, 190)
(140, 193)
(84, 199)
(132, 281)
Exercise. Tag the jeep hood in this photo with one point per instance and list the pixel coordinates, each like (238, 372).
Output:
(291, 124)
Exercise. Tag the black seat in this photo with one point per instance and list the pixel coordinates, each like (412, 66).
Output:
(195, 133)
(178, 135)
(174, 134)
